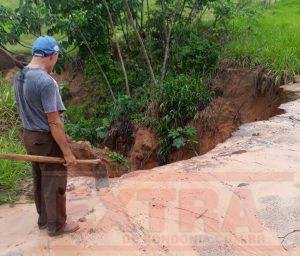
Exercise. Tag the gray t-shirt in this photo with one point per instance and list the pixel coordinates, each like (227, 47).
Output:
(36, 94)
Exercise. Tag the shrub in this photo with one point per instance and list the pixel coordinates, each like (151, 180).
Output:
(8, 115)
(183, 136)
(125, 107)
(180, 98)
(131, 108)
(86, 123)
(12, 173)
(111, 68)
(176, 138)
(92, 130)
(120, 159)
(195, 54)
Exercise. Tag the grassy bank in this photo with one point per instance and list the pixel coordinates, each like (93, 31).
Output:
(269, 39)
(12, 173)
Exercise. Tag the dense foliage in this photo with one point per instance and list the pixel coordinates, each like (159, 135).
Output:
(148, 61)
(140, 54)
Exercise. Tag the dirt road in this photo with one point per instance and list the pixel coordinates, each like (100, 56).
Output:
(241, 198)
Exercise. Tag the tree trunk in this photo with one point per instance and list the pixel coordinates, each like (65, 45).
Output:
(167, 33)
(168, 39)
(97, 62)
(118, 47)
(148, 18)
(124, 33)
(182, 9)
(127, 29)
(164, 21)
(191, 14)
(142, 15)
(166, 56)
(143, 49)
(148, 10)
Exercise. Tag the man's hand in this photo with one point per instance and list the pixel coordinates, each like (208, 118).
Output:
(70, 160)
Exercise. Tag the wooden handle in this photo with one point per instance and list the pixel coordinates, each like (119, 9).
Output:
(45, 159)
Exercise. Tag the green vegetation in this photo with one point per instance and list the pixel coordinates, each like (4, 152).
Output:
(179, 100)
(9, 3)
(118, 158)
(149, 62)
(184, 137)
(22, 48)
(25, 31)
(12, 173)
(180, 89)
(90, 129)
(8, 115)
(269, 39)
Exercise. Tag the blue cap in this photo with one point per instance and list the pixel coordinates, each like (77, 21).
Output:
(45, 46)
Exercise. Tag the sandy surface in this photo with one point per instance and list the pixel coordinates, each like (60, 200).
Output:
(238, 199)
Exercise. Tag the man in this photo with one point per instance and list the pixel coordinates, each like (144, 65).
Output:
(40, 105)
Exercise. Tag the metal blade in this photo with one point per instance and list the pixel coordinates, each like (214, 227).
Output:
(101, 176)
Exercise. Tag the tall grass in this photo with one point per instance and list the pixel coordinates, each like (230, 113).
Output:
(270, 39)
(8, 110)
(11, 173)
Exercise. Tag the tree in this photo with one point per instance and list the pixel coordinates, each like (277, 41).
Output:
(92, 26)
(139, 38)
(115, 40)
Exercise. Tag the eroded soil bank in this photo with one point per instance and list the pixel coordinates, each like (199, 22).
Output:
(241, 198)
(242, 96)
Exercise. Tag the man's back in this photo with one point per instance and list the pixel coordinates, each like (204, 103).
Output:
(39, 103)
(36, 94)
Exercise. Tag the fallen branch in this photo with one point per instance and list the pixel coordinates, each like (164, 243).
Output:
(18, 63)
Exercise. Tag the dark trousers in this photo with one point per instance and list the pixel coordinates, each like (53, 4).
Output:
(49, 180)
